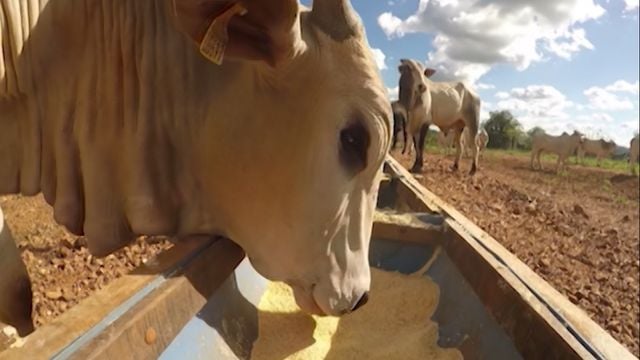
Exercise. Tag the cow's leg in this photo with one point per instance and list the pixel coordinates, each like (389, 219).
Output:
(394, 140)
(538, 159)
(15, 286)
(404, 133)
(559, 164)
(474, 152)
(417, 164)
(419, 142)
(407, 144)
(457, 141)
(533, 158)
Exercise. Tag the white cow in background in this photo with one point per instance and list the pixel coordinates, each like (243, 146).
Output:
(600, 148)
(563, 146)
(482, 139)
(446, 141)
(448, 105)
(115, 111)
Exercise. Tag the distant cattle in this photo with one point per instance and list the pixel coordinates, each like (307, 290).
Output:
(448, 105)
(598, 148)
(563, 146)
(634, 153)
(446, 141)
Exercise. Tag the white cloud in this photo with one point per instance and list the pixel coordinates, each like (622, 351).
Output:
(502, 95)
(473, 35)
(623, 86)
(379, 57)
(485, 86)
(601, 118)
(536, 105)
(607, 99)
(393, 93)
(631, 5)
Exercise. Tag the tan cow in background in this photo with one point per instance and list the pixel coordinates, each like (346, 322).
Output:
(563, 146)
(599, 148)
(119, 114)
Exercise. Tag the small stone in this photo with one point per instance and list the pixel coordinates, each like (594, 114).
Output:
(150, 336)
(580, 210)
(544, 263)
(53, 294)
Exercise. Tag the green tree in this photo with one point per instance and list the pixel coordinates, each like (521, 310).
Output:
(505, 132)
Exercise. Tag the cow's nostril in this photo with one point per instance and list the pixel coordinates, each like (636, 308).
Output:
(363, 300)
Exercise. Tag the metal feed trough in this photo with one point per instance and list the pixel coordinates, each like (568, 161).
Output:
(198, 299)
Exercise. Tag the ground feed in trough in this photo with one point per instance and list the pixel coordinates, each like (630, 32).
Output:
(395, 323)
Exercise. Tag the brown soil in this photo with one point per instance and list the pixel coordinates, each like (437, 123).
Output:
(61, 269)
(579, 230)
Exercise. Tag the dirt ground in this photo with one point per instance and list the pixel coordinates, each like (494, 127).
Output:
(579, 231)
(61, 269)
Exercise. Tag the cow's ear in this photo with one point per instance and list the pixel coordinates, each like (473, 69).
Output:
(429, 72)
(336, 18)
(258, 30)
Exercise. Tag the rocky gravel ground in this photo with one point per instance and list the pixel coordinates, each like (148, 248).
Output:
(579, 231)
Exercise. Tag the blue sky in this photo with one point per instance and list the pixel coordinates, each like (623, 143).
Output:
(559, 64)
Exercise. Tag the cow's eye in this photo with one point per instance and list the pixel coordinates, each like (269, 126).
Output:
(354, 144)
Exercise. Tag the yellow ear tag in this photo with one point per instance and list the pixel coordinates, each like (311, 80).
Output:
(215, 41)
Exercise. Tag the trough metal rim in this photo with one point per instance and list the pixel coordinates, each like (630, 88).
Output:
(123, 308)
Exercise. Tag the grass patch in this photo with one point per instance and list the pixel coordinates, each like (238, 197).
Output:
(551, 159)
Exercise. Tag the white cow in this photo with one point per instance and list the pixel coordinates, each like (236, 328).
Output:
(446, 141)
(563, 146)
(599, 148)
(113, 110)
(482, 139)
(634, 153)
(449, 105)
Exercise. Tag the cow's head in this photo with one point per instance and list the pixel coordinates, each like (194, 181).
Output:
(413, 85)
(310, 166)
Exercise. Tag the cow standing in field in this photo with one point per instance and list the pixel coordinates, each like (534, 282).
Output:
(449, 105)
(563, 146)
(200, 117)
(482, 139)
(446, 142)
(600, 148)
(634, 153)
